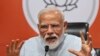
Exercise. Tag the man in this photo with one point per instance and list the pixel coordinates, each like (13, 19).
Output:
(51, 27)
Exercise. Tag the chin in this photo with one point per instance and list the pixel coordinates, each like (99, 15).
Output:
(53, 45)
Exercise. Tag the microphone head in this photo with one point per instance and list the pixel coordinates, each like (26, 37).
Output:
(46, 48)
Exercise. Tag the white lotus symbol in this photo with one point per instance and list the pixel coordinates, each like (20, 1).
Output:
(67, 4)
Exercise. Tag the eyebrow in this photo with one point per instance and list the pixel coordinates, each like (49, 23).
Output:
(52, 23)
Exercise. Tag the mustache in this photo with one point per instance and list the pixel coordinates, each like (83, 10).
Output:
(54, 36)
(51, 37)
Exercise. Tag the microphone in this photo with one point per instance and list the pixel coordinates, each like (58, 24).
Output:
(46, 49)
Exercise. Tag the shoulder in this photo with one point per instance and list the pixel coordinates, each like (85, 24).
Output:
(32, 41)
(31, 47)
(72, 41)
(73, 38)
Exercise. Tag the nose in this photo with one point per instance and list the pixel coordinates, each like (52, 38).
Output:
(50, 30)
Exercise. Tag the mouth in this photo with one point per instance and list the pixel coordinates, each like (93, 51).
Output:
(51, 39)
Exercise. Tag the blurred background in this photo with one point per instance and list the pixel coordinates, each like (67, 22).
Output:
(13, 25)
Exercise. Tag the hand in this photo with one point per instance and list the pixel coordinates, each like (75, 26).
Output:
(13, 49)
(86, 46)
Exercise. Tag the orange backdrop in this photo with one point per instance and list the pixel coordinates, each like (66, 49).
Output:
(14, 26)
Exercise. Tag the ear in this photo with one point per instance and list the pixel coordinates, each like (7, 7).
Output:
(65, 25)
(38, 27)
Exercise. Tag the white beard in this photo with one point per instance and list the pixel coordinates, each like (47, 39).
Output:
(55, 44)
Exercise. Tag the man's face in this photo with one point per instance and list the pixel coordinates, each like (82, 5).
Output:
(51, 27)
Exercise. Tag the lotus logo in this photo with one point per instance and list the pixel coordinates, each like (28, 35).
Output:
(74, 10)
(67, 4)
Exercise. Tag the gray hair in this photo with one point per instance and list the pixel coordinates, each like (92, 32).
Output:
(48, 9)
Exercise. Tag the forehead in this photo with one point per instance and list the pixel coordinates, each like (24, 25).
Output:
(52, 16)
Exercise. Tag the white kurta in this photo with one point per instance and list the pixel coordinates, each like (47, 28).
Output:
(35, 47)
